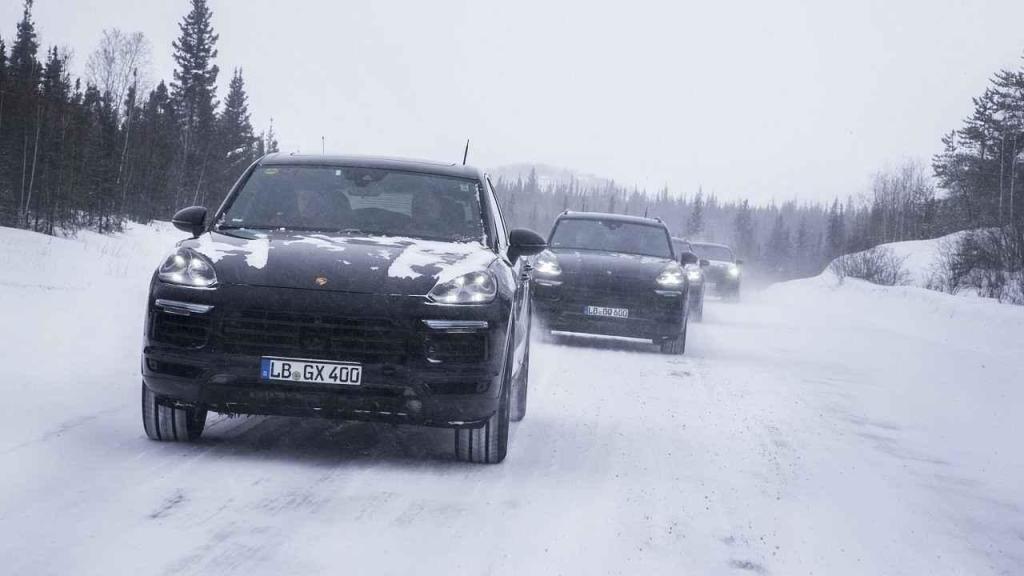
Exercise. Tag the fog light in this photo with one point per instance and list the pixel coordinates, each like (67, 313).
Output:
(431, 351)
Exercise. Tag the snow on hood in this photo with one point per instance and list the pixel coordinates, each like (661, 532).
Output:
(255, 249)
(436, 258)
(362, 264)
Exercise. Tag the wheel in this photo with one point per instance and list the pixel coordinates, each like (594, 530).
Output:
(488, 444)
(676, 345)
(167, 423)
(698, 308)
(520, 388)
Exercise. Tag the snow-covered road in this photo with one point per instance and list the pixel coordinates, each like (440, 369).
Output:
(811, 429)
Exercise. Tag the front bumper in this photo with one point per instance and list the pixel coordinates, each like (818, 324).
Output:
(653, 314)
(412, 372)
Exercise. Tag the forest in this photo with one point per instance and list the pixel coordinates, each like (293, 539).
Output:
(115, 146)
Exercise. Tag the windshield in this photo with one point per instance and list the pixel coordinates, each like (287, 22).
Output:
(681, 246)
(359, 201)
(611, 236)
(712, 252)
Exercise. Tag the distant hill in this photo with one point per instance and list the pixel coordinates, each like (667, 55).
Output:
(548, 176)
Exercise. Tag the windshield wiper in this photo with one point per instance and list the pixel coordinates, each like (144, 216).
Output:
(360, 232)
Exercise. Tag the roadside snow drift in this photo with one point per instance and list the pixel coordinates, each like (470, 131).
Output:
(813, 428)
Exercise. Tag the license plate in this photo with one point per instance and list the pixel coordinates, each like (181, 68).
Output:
(311, 371)
(607, 312)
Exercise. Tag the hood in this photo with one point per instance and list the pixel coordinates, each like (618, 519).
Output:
(366, 265)
(610, 264)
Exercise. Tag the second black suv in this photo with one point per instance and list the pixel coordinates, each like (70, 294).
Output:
(724, 272)
(615, 275)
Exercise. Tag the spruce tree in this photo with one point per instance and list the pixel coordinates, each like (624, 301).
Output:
(23, 74)
(194, 93)
(744, 239)
(6, 202)
(779, 247)
(3, 77)
(237, 141)
(24, 65)
(805, 256)
(158, 131)
(695, 223)
(835, 234)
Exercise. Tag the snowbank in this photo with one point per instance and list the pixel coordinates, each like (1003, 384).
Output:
(921, 259)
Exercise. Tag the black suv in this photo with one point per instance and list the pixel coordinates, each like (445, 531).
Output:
(723, 272)
(344, 287)
(615, 275)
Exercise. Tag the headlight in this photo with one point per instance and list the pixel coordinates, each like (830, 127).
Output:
(672, 276)
(472, 288)
(734, 270)
(693, 275)
(547, 264)
(188, 268)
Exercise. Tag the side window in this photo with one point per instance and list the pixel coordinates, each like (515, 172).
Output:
(499, 221)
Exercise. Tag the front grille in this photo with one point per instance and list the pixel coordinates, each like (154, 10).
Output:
(456, 348)
(177, 330)
(640, 298)
(313, 335)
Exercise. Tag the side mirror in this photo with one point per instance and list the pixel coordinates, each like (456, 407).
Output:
(524, 242)
(688, 258)
(739, 262)
(191, 220)
(704, 263)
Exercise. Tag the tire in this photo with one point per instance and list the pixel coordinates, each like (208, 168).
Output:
(164, 422)
(698, 308)
(677, 345)
(521, 388)
(488, 444)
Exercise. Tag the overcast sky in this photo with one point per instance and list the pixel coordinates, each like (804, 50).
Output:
(767, 100)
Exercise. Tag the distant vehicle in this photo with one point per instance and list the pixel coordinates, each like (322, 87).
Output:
(615, 275)
(345, 287)
(695, 275)
(724, 271)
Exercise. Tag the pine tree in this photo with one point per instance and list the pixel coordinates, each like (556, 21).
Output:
(237, 141)
(835, 234)
(532, 186)
(194, 93)
(805, 256)
(158, 133)
(779, 247)
(269, 140)
(20, 114)
(24, 65)
(6, 202)
(695, 223)
(744, 239)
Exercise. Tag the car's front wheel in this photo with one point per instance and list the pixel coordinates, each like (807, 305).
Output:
(488, 444)
(676, 345)
(168, 423)
(698, 307)
(521, 388)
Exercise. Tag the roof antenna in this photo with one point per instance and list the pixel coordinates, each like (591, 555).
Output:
(466, 153)
(645, 211)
